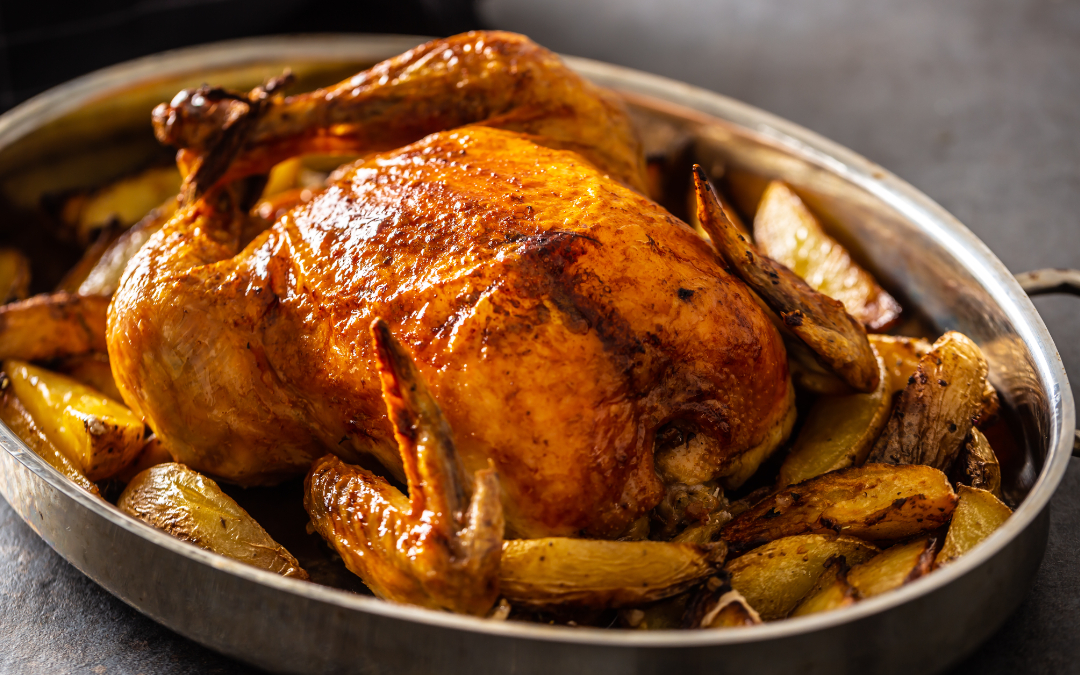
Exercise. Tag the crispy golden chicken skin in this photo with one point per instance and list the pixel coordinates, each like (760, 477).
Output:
(560, 319)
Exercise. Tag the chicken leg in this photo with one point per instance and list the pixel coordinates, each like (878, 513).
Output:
(436, 548)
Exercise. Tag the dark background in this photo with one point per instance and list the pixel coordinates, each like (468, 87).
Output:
(975, 102)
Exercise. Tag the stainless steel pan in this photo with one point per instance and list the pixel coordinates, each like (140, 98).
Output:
(83, 131)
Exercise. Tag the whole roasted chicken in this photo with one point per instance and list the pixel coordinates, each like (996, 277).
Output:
(555, 350)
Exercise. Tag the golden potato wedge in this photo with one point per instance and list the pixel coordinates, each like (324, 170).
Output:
(104, 278)
(775, 577)
(90, 258)
(786, 231)
(99, 435)
(936, 409)
(283, 176)
(837, 339)
(978, 464)
(14, 275)
(977, 515)
(191, 507)
(893, 567)
(124, 202)
(875, 502)
(590, 573)
(901, 356)
(832, 590)
(839, 432)
(94, 371)
(52, 326)
(16, 417)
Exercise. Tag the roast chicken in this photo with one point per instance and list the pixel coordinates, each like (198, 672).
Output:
(585, 353)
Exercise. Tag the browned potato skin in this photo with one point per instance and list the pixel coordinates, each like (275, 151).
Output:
(16, 417)
(191, 507)
(875, 502)
(894, 567)
(52, 326)
(775, 577)
(14, 274)
(598, 574)
(786, 231)
(977, 515)
(936, 409)
(838, 340)
(832, 590)
(978, 464)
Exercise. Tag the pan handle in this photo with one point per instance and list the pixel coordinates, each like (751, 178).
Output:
(1045, 282)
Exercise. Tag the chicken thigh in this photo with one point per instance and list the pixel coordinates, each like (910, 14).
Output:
(562, 319)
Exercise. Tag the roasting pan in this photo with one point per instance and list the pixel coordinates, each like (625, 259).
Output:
(88, 129)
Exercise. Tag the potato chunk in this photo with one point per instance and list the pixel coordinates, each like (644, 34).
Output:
(564, 572)
(94, 371)
(978, 464)
(893, 567)
(977, 515)
(99, 435)
(874, 502)
(775, 577)
(901, 356)
(935, 412)
(839, 432)
(191, 507)
(832, 590)
(53, 326)
(786, 231)
(124, 201)
(19, 421)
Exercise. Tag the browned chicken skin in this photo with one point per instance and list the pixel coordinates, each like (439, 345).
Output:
(560, 318)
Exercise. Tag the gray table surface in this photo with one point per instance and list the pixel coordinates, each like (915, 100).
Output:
(975, 102)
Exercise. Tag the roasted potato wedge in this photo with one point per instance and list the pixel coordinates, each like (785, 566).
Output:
(52, 326)
(839, 432)
(123, 202)
(978, 464)
(901, 356)
(786, 231)
(775, 577)
(89, 260)
(16, 417)
(832, 590)
(99, 435)
(14, 275)
(875, 502)
(191, 507)
(104, 278)
(821, 323)
(94, 371)
(893, 567)
(936, 409)
(977, 515)
(592, 573)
